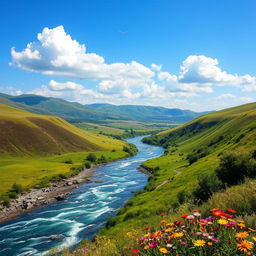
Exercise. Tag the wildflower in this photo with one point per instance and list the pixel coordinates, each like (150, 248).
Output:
(244, 246)
(178, 235)
(135, 251)
(168, 230)
(190, 217)
(210, 243)
(163, 250)
(222, 222)
(147, 228)
(162, 215)
(162, 221)
(169, 245)
(197, 214)
(183, 243)
(253, 230)
(231, 210)
(170, 224)
(228, 215)
(242, 235)
(184, 216)
(199, 243)
(146, 247)
(254, 238)
(241, 225)
(218, 213)
(154, 244)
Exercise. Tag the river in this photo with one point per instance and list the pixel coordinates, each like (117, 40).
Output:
(83, 213)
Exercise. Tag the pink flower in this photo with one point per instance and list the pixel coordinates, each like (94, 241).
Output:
(183, 243)
(154, 244)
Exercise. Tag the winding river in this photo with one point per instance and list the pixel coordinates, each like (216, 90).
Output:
(83, 213)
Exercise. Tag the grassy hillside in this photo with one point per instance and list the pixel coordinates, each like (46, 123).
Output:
(206, 139)
(35, 148)
(24, 133)
(99, 113)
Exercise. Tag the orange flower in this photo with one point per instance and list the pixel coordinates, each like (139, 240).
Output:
(170, 224)
(218, 213)
(242, 235)
(162, 221)
(244, 246)
(163, 250)
(241, 225)
(210, 243)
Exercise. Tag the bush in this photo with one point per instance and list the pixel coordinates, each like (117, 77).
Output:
(87, 165)
(102, 159)
(197, 154)
(69, 161)
(207, 185)
(12, 195)
(234, 168)
(17, 188)
(183, 196)
(5, 201)
(91, 157)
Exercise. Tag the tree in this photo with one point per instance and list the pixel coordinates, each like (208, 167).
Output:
(91, 157)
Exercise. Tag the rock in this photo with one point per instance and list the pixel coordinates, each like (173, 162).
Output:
(98, 181)
(56, 237)
(61, 197)
(55, 185)
(40, 198)
(69, 183)
(75, 182)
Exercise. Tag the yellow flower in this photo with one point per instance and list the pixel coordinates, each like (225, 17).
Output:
(170, 224)
(146, 247)
(254, 238)
(147, 235)
(241, 225)
(222, 222)
(199, 243)
(178, 235)
(242, 235)
(168, 230)
(163, 250)
(244, 246)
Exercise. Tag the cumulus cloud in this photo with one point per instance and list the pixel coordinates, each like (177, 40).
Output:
(56, 53)
(226, 96)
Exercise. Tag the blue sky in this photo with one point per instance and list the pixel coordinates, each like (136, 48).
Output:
(203, 52)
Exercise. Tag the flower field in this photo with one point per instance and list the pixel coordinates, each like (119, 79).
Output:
(222, 233)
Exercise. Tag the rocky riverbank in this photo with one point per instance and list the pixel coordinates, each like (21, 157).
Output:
(57, 191)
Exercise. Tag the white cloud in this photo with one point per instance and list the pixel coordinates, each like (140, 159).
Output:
(56, 53)
(247, 99)
(226, 96)
(56, 86)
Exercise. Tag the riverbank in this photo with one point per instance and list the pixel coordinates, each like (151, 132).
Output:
(57, 191)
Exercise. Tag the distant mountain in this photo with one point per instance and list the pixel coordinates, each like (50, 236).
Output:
(75, 112)
(26, 134)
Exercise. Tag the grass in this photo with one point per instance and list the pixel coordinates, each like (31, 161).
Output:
(228, 130)
(31, 171)
(26, 134)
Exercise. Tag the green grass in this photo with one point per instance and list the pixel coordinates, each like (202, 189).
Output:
(172, 172)
(31, 171)
(25, 134)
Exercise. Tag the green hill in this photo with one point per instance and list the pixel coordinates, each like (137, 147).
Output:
(98, 113)
(25, 133)
(192, 150)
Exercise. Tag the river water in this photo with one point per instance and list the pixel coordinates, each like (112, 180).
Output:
(83, 213)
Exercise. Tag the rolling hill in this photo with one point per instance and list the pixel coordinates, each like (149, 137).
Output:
(25, 133)
(98, 113)
(193, 150)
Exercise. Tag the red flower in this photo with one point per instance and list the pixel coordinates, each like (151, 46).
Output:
(231, 210)
(184, 216)
(162, 215)
(218, 213)
(135, 250)
(228, 215)
(147, 228)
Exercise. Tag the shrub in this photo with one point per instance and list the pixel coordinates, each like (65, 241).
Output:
(87, 165)
(12, 195)
(17, 188)
(183, 196)
(207, 185)
(69, 161)
(234, 168)
(5, 201)
(91, 157)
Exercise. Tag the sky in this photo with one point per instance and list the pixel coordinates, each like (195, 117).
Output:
(188, 54)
